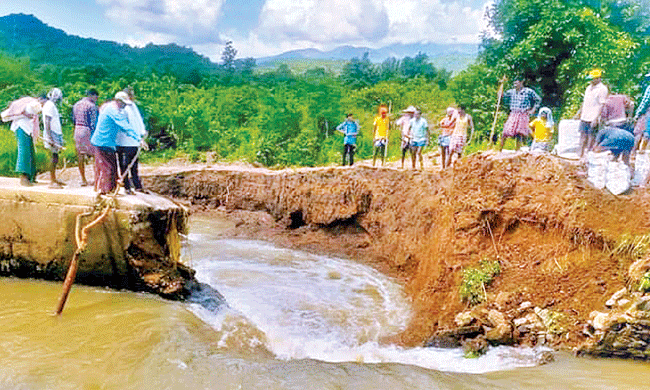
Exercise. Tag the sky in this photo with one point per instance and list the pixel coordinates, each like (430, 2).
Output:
(260, 28)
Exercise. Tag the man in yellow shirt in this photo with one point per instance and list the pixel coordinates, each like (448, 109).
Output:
(380, 141)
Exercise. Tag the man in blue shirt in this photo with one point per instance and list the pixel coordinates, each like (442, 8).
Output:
(112, 119)
(350, 129)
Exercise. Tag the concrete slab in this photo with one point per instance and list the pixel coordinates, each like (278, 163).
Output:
(139, 237)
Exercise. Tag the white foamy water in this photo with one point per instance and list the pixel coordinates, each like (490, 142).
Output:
(304, 306)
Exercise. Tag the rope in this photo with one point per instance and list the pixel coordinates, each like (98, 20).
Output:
(81, 235)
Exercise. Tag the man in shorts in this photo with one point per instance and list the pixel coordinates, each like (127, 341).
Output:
(420, 137)
(589, 113)
(380, 130)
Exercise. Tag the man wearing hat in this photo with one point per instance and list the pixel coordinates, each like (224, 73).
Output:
(112, 119)
(404, 122)
(522, 102)
(589, 113)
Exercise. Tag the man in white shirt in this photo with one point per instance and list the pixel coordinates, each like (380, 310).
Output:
(127, 147)
(52, 134)
(589, 113)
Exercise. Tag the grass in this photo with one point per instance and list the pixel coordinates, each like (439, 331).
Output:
(476, 279)
(632, 247)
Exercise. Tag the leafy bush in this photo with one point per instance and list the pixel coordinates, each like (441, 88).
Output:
(475, 280)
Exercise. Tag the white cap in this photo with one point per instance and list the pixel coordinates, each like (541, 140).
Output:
(123, 97)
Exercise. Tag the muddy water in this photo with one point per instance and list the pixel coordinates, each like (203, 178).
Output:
(292, 320)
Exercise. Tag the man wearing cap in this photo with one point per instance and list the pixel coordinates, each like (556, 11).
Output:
(522, 102)
(350, 130)
(404, 122)
(127, 147)
(84, 113)
(380, 140)
(589, 113)
(112, 120)
(52, 134)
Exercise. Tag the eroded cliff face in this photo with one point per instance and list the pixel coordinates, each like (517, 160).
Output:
(553, 235)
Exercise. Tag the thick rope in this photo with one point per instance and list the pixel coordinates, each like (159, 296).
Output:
(81, 236)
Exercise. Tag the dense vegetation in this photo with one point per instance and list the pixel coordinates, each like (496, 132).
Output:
(280, 117)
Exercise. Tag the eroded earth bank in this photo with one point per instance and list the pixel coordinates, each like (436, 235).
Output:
(570, 257)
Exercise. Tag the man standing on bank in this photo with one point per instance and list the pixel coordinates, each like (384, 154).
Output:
(112, 120)
(522, 102)
(380, 140)
(420, 137)
(350, 129)
(127, 147)
(84, 113)
(589, 113)
(52, 134)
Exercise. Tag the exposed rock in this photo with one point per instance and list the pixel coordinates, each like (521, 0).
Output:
(636, 271)
(525, 305)
(463, 319)
(552, 320)
(501, 333)
(452, 338)
(475, 347)
(600, 321)
(617, 295)
(503, 299)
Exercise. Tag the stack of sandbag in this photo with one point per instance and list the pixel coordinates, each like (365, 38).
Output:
(568, 139)
(603, 172)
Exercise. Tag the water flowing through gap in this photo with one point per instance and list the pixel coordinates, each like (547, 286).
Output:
(293, 321)
(298, 305)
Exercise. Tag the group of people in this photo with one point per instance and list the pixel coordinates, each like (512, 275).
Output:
(112, 134)
(415, 135)
(608, 121)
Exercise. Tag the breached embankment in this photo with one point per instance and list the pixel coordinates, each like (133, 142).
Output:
(136, 247)
(563, 246)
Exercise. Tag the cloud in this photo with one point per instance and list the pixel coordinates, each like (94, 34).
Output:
(372, 22)
(435, 21)
(181, 21)
(324, 21)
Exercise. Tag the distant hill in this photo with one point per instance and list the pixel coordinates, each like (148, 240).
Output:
(453, 57)
(26, 36)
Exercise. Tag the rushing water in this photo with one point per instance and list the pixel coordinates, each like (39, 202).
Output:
(291, 320)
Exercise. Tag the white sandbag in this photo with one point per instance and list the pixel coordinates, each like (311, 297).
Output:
(568, 139)
(641, 168)
(597, 168)
(618, 177)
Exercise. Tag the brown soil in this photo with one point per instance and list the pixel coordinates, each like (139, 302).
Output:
(553, 233)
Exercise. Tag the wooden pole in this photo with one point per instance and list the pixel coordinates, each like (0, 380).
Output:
(390, 106)
(496, 111)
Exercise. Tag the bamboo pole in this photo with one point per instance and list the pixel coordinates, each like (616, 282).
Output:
(496, 110)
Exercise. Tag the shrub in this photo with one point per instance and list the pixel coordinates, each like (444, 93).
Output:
(475, 280)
